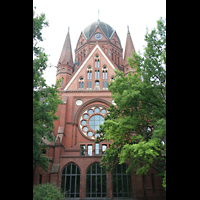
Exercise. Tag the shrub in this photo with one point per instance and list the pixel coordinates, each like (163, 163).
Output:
(46, 191)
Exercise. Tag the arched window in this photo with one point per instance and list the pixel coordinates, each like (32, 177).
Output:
(122, 185)
(70, 181)
(95, 181)
(81, 83)
(96, 61)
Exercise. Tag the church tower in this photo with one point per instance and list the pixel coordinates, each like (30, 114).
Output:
(128, 52)
(65, 63)
(74, 156)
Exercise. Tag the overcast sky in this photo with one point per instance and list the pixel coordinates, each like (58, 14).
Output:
(77, 14)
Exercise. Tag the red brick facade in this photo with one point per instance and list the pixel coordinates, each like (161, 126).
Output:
(80, 96)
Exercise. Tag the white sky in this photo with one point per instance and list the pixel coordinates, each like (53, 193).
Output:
(77, 14)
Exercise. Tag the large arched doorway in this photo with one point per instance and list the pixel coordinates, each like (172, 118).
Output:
(70, 181)
(95, 181)
(122, 185)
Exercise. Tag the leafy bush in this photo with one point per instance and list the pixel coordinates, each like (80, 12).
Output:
(46, 191)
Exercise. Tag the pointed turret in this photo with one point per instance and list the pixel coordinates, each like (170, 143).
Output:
(128, 49)
(66, 54)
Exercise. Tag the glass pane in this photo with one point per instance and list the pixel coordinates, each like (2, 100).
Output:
(85, 116)
(88, 184)
(63, 172)
(88, 75)
(103, 111)
(73, 169)
(78, 171)
(85, 128)
(98, 184)
(104, 183)
(97, 148)
(73, 184)
(90, 134)
(124, 167)
(97, 135)
(67, 184)
(82, 150)
(91, 122)
(90, 111)
(83, 122)
(68, 168)
(118, 169)
(96, 110)
(98, 169)
(104, 147)
(93, 184)
(125, 188)
(97, 117)
(129, 185)
(89, 150)
(93, 167)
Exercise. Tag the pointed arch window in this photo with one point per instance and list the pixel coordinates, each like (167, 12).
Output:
(95, 181)
(122, 183)
(97, 61)
(105, 75)
(70, 181)
(89, 72)
(81, 83)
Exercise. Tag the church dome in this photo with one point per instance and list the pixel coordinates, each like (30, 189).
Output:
(107, 29)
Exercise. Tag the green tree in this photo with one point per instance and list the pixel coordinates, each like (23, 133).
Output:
(47, 191)
(45, 98)
(137, 124)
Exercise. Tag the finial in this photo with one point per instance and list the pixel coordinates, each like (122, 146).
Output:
(98, 16)
(128, 28)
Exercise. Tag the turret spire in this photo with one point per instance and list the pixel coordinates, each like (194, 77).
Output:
(129, 47)
(66, 54)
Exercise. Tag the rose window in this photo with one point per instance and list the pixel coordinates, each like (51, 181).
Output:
(90, 121)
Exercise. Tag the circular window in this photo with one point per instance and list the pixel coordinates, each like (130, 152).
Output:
(95, 121)
(79, 102)
(63, 69)
(83, 122)
(90, 112)
(90, 133)
(90, 121)
(85, 116)
(85, 128)
(96, 110)
(69, 70)
(103, 111)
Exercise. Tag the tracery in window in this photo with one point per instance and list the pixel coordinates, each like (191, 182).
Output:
(70, 182)
(81, 83)
(90, 121)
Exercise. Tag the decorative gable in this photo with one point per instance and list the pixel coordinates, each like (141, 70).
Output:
(80, 75)
(82, 40)
(98, 35)
(115, 40)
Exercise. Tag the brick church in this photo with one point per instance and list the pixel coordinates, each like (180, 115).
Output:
(74, 157)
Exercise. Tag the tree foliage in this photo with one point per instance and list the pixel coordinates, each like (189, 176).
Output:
(45, 98)
(47, 191)
(137, 124)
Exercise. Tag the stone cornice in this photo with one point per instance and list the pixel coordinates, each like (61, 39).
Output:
(83, 90)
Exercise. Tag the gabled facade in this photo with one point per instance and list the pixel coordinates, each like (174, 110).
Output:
(74, 157)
